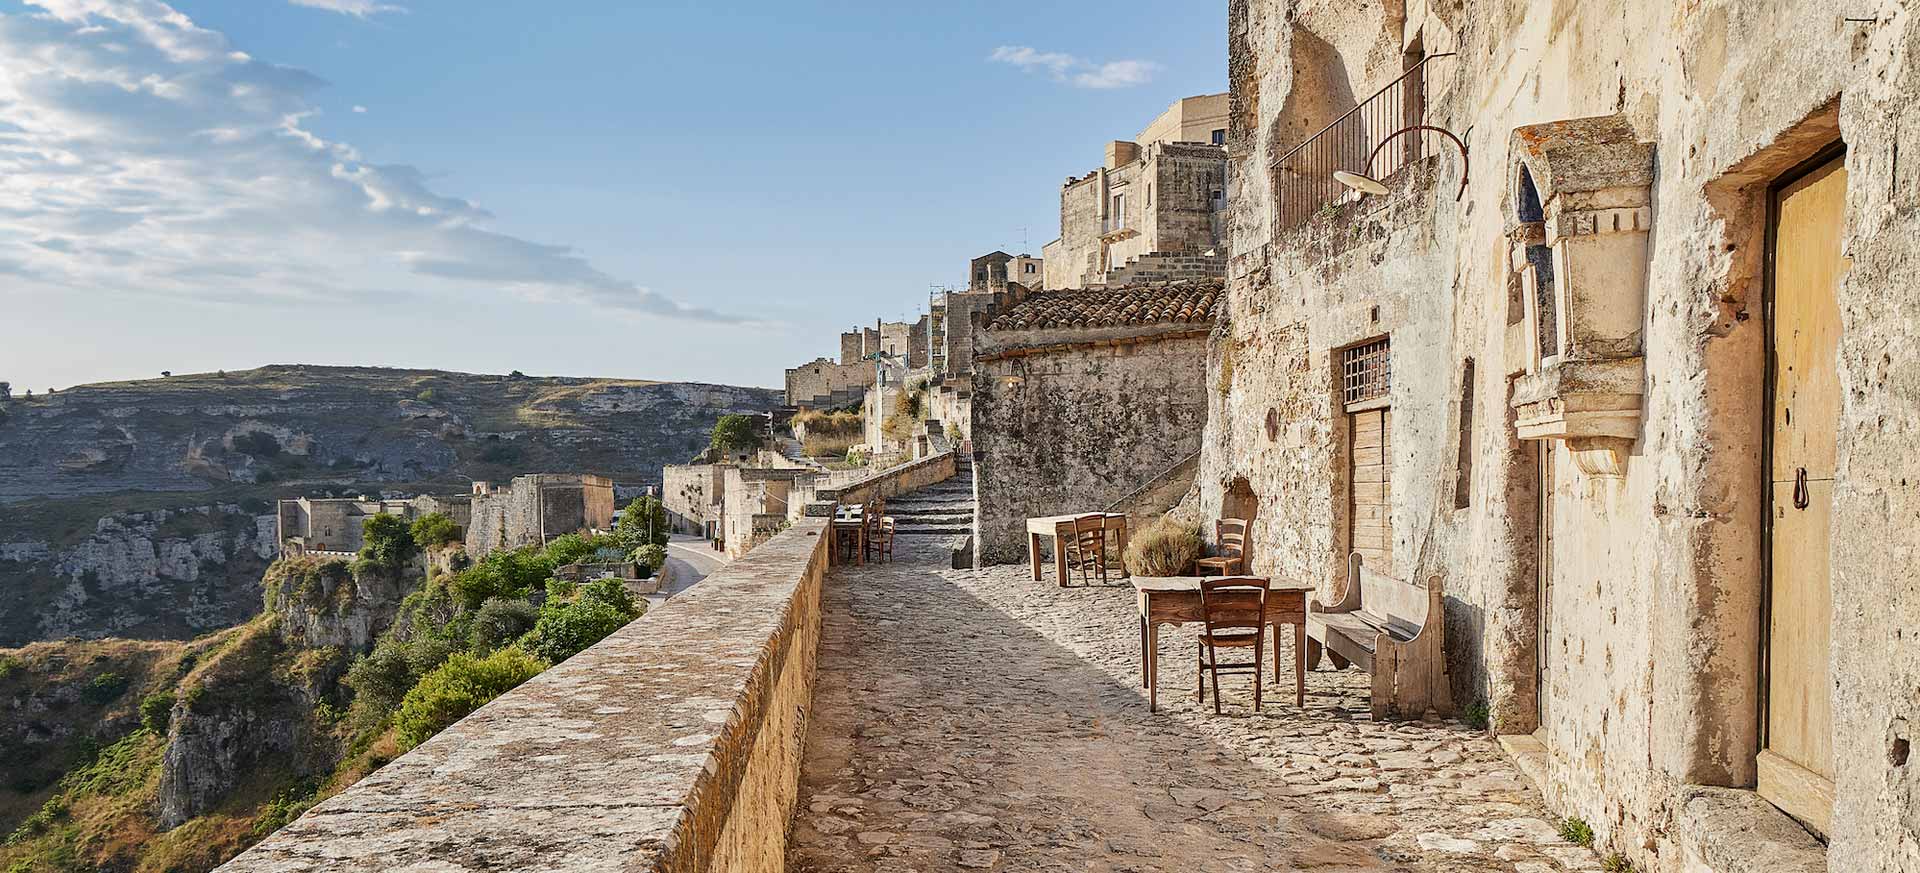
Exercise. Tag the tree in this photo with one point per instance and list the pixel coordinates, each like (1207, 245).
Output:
(386, 541)
(434, 529)
(458, 687)
(644, 523)
(735, 433)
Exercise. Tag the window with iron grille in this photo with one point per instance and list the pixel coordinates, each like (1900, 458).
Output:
(1366, 372)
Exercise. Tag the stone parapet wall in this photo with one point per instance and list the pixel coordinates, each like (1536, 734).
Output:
(900, 479)
(672, 745)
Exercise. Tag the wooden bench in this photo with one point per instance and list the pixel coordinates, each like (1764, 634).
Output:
(1394, 629)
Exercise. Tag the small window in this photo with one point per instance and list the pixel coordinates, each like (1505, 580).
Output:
(1028, 268)
(1220, 136)
(1366, 372)
(1219, 199)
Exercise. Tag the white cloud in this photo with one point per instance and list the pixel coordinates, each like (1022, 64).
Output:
(139, 153)
(355, 8)
(359, 110)
(1079, 72)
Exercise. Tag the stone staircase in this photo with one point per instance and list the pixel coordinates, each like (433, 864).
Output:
(944, 509)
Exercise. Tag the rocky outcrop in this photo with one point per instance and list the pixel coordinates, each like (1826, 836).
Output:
(158, 574)
(323, 602)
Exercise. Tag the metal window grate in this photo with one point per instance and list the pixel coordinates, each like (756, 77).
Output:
(1366, 372)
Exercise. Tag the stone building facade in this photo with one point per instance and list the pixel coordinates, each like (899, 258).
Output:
(826, 383)
(693, 495)
(531, 510)
(331, 525)
(1082, 398)
(1619, 386)
(1151, 197)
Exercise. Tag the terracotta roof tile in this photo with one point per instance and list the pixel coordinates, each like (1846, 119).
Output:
(1195, 301)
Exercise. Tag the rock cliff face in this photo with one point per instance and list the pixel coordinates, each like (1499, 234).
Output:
(144, 509)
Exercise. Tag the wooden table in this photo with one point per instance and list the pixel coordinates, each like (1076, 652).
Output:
(852, 518)
(1060, 528)
(1176, 600)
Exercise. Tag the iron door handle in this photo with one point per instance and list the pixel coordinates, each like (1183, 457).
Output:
(1801, 499)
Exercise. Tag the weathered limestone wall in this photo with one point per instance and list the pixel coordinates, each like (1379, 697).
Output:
(533, 509)
(1652, 625)
(672, 745)
(691, 495)
(816, 383)
(1073, 428)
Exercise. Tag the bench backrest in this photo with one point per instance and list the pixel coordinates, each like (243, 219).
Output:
(1401, 602)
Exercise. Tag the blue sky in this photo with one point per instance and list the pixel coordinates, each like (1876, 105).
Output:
(671, 190)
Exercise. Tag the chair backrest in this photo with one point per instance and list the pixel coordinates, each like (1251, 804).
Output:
(1233, 602)
(872, 518)
(1090, 535)
(1232, 536)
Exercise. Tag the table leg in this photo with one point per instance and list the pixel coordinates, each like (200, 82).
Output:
(1143, 648)
(860, 544)
(1060, 559)
(1124, 573)
(1033, 553)
(1300, 664)
(1153, 667)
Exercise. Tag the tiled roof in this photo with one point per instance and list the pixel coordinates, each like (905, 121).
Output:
(1194, 301)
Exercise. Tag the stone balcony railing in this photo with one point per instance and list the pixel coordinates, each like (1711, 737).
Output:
(672, 745)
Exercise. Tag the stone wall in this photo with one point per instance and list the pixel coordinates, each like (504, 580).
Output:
(534, 509)
(1166, 207)
(819, 382)
(1072, 427)
(673, 745)
(691, 495)
(1650, 628)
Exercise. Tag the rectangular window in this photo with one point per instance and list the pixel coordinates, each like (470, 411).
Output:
(1119, 217)
(1220, 136)
(1366, 372)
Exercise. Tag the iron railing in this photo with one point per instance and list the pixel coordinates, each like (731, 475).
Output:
(1303, 177)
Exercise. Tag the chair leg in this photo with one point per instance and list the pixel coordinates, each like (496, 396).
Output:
(1214, 677)
(1200, 672)
(1259, 645)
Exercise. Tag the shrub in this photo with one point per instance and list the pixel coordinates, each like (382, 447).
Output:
(1577, 832)
(499, 622)
(568, 548)
(508, 574)
(156, 711)
(104, 688)
(9, 665)
(644, 523)
(574, 618)
(380, 678)
(387, 541)
(426, 395)
(1167, 547)
(735, 433)
(434, 529)
(653, 557)
(458, 687)
(1476, 715)
(1616, 863)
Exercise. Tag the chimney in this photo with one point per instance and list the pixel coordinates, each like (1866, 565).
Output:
(1121, 152)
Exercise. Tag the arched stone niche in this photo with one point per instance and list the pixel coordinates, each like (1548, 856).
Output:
(1578, 224)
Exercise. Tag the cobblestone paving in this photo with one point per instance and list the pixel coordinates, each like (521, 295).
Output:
(982, 721)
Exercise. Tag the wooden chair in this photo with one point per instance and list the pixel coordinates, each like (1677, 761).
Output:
(1087, 550)
(886, 539)
(1235, 610)
(846, 540)
(872, 521)
(1232, 535)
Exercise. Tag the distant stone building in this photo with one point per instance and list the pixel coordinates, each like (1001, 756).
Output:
(693, 496)
(1153, 210)
(531, 510)
(1087, 400)
(826, 383)
(335, 526)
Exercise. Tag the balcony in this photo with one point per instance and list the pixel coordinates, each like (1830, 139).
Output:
(1303, 176)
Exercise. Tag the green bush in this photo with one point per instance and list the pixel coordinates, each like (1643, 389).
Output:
(1577, 832)
(574, 618)
(735, 433)
(457, 688)
(104, 688)
(156, 711)
(380, 678)
(434, 529)
(387, 540)
(653, 557)
(568, 548)
(644, 522)
(499, 622)
(510, 574)
(9, 665)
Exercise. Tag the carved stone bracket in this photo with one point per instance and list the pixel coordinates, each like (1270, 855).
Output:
(1579, 229)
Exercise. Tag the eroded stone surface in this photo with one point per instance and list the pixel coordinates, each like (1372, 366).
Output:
(979, 720)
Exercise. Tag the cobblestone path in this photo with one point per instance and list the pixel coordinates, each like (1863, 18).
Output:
(982, 721)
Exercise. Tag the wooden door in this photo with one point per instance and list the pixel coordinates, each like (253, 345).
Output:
(1369, 520)
(1796, 761)
(1543, 615)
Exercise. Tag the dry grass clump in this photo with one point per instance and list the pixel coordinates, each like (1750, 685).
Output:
(1167, 547)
